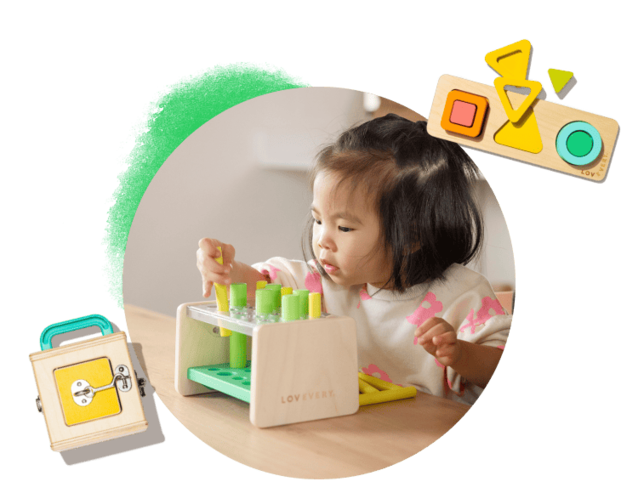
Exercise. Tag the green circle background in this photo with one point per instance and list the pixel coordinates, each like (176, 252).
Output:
(172, 114)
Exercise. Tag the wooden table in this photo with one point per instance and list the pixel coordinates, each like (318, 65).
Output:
(376, 437)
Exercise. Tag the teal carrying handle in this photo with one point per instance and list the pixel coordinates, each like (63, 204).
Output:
(73, 325)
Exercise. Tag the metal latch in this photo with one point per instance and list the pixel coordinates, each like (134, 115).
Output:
(83, 392)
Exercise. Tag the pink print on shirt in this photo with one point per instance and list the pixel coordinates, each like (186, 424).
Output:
(271, 272)
(422, 314)
(483, 315)
(363, 295)
(313, 282)
(373, 370)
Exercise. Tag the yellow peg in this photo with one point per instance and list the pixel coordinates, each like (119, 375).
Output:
(221, 293)
(314, 305)
(387, 395)
(261, 284)
(286, 290)
(377, 382)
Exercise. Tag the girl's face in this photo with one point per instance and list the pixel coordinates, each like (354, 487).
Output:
(345, 234)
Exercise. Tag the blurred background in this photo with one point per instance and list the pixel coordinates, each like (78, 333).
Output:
(242, 178)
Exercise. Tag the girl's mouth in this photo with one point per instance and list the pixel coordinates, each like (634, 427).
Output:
(330, 269)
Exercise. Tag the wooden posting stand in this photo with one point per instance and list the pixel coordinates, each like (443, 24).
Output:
(300, 371)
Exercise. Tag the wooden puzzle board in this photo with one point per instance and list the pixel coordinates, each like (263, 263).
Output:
(551, 118)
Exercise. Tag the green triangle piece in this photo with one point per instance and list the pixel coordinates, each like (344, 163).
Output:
(559, 78)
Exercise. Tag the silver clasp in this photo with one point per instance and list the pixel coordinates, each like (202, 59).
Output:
(83, 392)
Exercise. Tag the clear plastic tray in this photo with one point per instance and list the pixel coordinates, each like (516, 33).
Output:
(242, 321)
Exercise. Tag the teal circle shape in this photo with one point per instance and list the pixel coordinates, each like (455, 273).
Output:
(564, 134)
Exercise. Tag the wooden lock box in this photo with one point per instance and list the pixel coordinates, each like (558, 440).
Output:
(88, 390)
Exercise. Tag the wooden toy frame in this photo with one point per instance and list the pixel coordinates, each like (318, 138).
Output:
(129, 420)
(300, 371)
(551, 118)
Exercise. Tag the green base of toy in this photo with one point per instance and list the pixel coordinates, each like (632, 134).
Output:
(232, 382)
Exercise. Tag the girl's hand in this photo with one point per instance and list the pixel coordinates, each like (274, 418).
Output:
(209, 268)
(439, 339)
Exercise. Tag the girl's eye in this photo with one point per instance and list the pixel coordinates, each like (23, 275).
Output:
(341, 228)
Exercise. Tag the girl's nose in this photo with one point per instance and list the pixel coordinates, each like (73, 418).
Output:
(325, 241)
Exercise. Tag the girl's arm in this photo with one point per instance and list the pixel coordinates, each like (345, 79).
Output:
(476, 363)
(244, 273)
(230, 272)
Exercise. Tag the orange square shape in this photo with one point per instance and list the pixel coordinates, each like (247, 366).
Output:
(479, 117)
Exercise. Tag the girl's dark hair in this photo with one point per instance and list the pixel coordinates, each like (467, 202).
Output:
(423, 189)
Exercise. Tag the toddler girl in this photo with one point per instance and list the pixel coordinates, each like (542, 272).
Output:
(393, 222)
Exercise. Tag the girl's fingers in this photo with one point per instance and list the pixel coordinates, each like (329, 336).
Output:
(208, 287)
(210, 269)
(212, 266)
(429, 348)
(229, 254)
(447, 338)
(208, 249)
(438, 334)
(429, 324)
(423, 339)
(209, 246)
(445, 351)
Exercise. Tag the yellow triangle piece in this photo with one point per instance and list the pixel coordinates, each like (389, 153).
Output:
(534, 90)
(366, 388)
(512, 60)
(523, 135)
(373, 390)
(559, 78)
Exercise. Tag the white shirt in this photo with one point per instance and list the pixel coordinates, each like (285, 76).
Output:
(386, 321)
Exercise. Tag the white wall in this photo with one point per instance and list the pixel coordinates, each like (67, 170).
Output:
(496, 262)
(241, 178)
